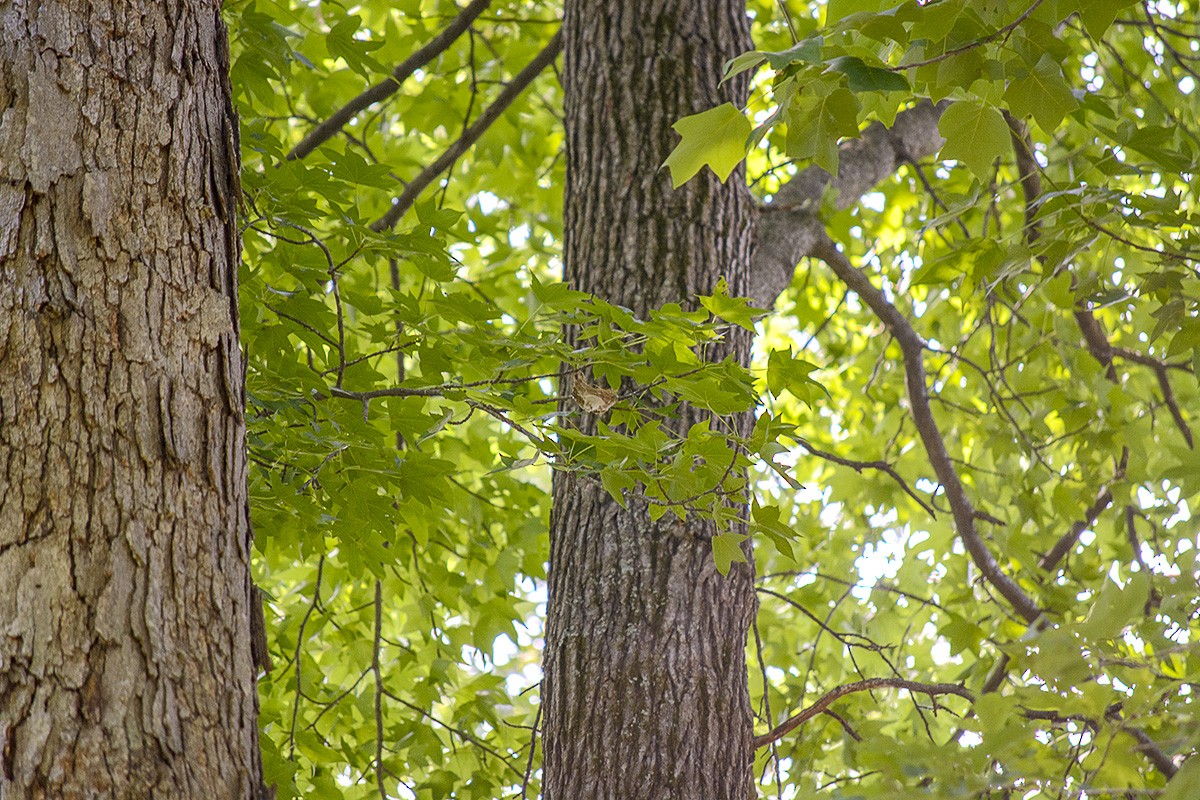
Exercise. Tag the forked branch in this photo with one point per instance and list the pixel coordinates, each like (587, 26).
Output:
(329, 128)
(912, 347)
(470, 135)
(870, 684)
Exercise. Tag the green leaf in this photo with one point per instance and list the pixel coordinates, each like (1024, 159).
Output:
(975, 134)
(1186, 783)
(1116, 607)
(818, 119)
(715, 138)
(1042, 93)
(727, 550)
(1098, 15)
(731, 309)
(616, 482)
(739, 64)
(785, 372)
(865, 78)
(807, 51)
(341, 41)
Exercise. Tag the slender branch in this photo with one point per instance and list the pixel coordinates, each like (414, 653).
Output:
(1027, 170)
(845, 639)
(859, 466)
(533, 736)
(1093, 333)
(391, 391)
(766, 704)
(912, 347)
(853, 734)
(470, 134)
(376, 673)
(1064, 544)
(1152, 751)
(867, 685)
(316, 601)
(381, 91)
(1164, 383)
(311, 329)
(459, 732)
(1007, 29)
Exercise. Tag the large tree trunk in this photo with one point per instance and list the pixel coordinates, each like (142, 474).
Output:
(645, 673)
(125, 665)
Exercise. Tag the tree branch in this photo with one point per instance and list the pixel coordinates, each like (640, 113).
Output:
(819, 707)
(787, 229)
(381, 91)
(859, 466)
(912, 347)
(470, 134)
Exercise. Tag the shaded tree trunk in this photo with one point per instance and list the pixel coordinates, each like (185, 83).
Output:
(125, 664)
(645, 674)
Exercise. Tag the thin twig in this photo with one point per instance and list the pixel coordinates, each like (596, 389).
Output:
(912, 347)
(375, 670)
(972, 45)
(859, 466)
(299, 645)
(869, 684)
(472, 133)
(532, 749)
(380, 91)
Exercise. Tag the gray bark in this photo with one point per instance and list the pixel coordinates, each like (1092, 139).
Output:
(645, 685)
(125, 664)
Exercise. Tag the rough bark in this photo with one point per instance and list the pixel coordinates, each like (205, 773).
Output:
(125, 664)
(645, 675)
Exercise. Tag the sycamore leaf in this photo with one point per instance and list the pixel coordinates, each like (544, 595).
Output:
(716, 138)
(731, 309)
(1115, 607)
(616, 482)
(1043, 94)
(785, 372)
(975, 134)
(341, 41)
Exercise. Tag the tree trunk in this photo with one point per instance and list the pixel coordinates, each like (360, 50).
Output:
(125, 665)
(645, 672)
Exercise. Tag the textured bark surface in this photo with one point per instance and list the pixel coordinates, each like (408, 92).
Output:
(125, 667)
(645, 676)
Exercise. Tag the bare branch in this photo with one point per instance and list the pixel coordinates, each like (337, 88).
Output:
(859, 466)
(1152, 751)
(375, 671)
(532, 749)
(381, 91)
(466, 736)
(870, 684)
(912, 347)
(1063, 546)
(1094, 337)
(470, 134)
(1006, 31)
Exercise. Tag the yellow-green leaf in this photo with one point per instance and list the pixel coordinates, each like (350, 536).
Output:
(716, 138)
(975, 134)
